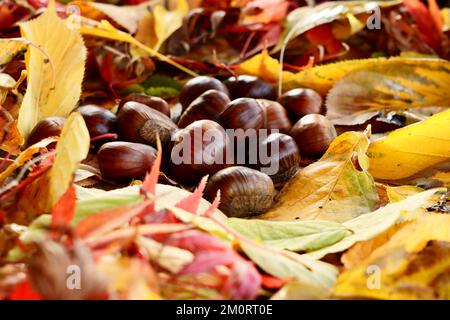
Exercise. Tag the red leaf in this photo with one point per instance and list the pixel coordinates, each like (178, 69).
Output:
(64, 210)
(270, 282)
(213, 206)
(245, 280)
(108, 220)
(207, 260)
(428, 30)
(435, 13)
(151, 179)
(323, 35)
(25, 291)
(191, 202)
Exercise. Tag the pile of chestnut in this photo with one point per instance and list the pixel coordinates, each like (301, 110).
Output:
(208, 105)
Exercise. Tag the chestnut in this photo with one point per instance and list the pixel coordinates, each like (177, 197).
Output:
(196, 86)
(199, 149)
(99, 121)
(156, 103)
(278, 156)
(313, 134)
(243, 113)
(48, 127)
(207, 106)
(123, 161)
(244, 191)
(300, 102)
(276, 116)
(250, 87)
(139, 123)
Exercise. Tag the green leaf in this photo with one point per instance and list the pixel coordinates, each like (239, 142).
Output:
(161, 81)
(289, 265)
(368, 226)
(291, 235)
(162, 92)
(88, 207)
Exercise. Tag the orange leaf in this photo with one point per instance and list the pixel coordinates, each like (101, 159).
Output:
(64, 210)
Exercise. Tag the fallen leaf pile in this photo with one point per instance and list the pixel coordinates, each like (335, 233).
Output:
(366, 217)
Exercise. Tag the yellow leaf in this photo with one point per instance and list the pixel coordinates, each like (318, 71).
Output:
(369, 225)
(104, 29)
(363, 249)
(322, 78)
(72, 147)
(411, 149)
(23, 157)
(397, 83)
(54, 82)
(264, 67)
(9, 48)
(400, 193)
(413, 264)
(167, 22)
(331, 188)
(127, 16)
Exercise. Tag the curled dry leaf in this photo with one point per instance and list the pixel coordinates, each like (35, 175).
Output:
(53, 262)
(54, 81)
(331, 188)
(10, 137)
(395, 84)
(411, 149)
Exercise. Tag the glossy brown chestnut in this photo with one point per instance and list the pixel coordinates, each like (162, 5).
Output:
(207, 106)
(243, 113)
(197, 150)
(244, 192)
(279, 157)
(48, 127)
(99, 121)
(123, 161)
(156, 103)
(139, 123)
(300, 102)
(276, 116)
(196, 86)
(313, 134)
(250, 87)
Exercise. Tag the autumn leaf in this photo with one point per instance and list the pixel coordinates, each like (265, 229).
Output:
(54, 82)
(162, 22)
(288, 265)
(370, 225)
(105, 30)
(395, 84)
(129, 278)
(9, 48)
(331, 188)
(413, 264)
(263, 66)
(24, 157)
(306, 18)
(411, 149)
(10, 137)
(301, 236)
(127, 16)
(64, 210)
(73, 146)
(363, 249)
